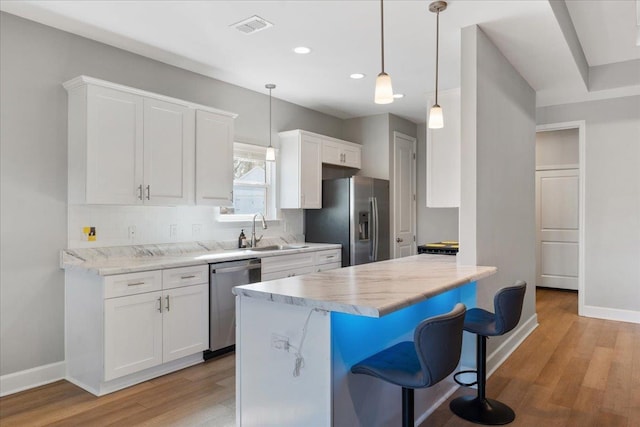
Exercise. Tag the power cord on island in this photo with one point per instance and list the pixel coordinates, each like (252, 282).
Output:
(299, 358)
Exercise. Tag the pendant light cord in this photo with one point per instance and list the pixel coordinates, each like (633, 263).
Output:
(270, 117)
(382, 31)
(437, 50)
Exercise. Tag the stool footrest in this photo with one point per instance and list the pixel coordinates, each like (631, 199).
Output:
(471, 371)
(482, 411)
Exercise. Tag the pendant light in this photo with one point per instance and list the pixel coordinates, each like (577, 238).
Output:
(436, 120)
(384, 92)
(271, 152)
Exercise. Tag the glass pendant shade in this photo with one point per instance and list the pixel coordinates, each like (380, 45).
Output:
(270, 156)
(436, 120)
(384, 91)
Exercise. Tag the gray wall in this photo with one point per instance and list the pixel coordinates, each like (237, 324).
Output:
(497, 216)
(612, 197)
(557, 148)
(373, 133)
(34, 62)
(434, 224)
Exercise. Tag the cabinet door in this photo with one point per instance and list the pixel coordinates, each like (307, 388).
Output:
(114, 147)
(214, 159)
(332, 152)
(185, 321)
(310, 172)
(351, 156)
(132, 334)
(288, 273)
(169, 143)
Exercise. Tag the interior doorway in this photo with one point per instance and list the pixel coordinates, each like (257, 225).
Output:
(560, 207)
(404, 195)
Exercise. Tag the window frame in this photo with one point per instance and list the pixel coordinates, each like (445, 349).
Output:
(269, 185)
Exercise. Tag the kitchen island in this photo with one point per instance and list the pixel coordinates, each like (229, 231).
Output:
(298, 337)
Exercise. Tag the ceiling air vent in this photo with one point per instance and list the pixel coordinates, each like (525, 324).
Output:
(252, 25)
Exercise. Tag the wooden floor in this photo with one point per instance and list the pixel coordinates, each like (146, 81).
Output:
(571, 371)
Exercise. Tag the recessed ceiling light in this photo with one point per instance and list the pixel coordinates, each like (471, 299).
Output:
(398, 95)
(357, 76)
(302, 50)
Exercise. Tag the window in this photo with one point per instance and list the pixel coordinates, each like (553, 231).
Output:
(253, 189)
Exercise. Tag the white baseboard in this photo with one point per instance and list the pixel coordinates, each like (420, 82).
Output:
(611, 314)
(443, 398)
(29, 378)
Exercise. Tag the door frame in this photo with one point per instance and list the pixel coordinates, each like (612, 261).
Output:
(581, 126)
(392, 189)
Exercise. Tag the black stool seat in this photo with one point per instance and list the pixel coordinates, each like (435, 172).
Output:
(508, 308)
(431, 357)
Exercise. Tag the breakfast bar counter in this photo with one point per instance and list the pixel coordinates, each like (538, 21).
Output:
(298, 337)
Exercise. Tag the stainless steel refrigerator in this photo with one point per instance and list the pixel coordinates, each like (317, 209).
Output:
(355, 213)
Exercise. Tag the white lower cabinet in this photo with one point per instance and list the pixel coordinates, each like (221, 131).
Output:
(132, 334)
(127, 328)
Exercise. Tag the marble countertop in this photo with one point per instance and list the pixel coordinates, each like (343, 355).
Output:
(107, 261)
(374, 289)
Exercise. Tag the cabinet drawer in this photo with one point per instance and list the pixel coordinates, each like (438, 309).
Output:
(328, 256)
(331, 266)
(287, 273)
(287, 262)
(120, 285)
(185, 276)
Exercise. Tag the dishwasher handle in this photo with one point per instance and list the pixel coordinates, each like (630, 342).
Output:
(234, 269)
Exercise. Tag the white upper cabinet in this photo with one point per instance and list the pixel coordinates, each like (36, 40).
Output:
(300, 170)
(341, 153)
(443, 154)
(168, 153)
(131, 147)
(214, 159)
(105, 146)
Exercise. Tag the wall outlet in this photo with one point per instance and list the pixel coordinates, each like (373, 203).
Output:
(196, 230)
(173, 230)
(131, 232)
(279, 342)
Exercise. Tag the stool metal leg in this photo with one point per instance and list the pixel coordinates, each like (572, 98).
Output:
(407, 407)
(479, 409)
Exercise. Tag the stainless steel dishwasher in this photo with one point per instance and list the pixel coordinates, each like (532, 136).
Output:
(222, 305)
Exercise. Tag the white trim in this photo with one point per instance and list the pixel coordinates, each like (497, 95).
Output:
(617, 314)
(581, 126)
(84, 80)
(436, 404)
(500, 354)
(557, 167)
(30, 378)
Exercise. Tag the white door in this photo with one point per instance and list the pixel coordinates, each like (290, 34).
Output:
(404, 195)
(185, 321)
(169, 143)
(557, 228)
(310, 172)
(114, 147)
(214, 159)
(132, 334)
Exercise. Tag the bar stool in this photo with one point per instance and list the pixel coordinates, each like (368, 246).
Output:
(432, 356)
(508, 308)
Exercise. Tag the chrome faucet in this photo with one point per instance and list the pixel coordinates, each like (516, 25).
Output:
(254, 241)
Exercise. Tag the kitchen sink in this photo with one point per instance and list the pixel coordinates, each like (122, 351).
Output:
(277, 248)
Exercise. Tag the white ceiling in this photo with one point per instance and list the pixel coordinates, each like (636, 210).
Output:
(345, 38)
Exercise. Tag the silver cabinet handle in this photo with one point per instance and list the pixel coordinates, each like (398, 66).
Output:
(148, 192)
(135, 284)
(167, 297)
(140, 192)
(160, 304)
(187, 277)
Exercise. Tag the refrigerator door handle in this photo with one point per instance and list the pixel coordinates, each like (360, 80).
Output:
(372, 237)
(375, 234)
